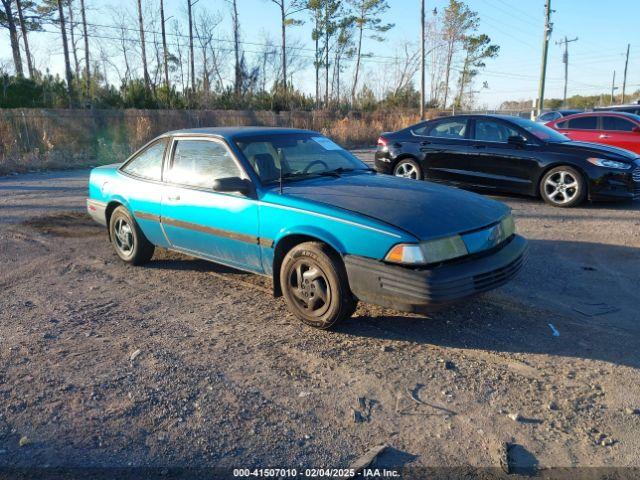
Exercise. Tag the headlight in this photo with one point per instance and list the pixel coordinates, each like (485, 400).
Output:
(508, 226)
(432, 251)
(603, 162)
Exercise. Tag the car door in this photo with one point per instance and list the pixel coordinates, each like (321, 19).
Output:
(199, 220)
(498, 162)
(620, 132)
(583, 128)
(142, 175)
(443, 148)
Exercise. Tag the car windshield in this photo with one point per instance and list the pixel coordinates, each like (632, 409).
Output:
(299, 155)
(540, 131)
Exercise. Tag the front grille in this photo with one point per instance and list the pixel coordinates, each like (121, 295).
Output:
(636, 174)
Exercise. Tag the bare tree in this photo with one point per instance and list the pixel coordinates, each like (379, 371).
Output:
(25, 38)
(458, 20)
(205, 27)
(287, 9)
(74, 50)
(147, 80)
(368, 19)
(65, 48)
(13, 37)
(87, 69)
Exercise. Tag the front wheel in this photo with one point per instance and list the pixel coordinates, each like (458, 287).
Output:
(408, 168)
(563, 187)
(128, 240)
(315, 286)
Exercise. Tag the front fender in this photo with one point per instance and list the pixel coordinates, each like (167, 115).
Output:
(312, 231)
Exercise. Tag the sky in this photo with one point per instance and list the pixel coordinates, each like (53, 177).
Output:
(603, 31)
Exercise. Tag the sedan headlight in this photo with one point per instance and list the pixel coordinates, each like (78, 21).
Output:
(603, 162)
(432, 251)
(508, 226)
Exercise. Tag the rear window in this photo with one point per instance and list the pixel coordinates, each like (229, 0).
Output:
(455, 128)
(583, 123)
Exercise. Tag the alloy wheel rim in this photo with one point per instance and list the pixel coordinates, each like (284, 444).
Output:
(561, 187)
(310, 287)
(123, 236)
(406, 170)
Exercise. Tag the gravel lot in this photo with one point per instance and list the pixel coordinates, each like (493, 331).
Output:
(185, 363)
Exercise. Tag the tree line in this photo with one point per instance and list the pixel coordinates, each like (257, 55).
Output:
(183, 61)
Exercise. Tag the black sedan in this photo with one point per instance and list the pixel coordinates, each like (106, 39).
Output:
(511, 155)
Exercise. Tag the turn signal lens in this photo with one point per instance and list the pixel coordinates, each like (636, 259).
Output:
(405, 253)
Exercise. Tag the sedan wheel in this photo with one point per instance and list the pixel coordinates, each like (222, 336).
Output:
(408, 169)
(563, 187)
(315, 286)
(128, 240)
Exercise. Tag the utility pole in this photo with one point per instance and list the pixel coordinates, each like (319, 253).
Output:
(192, 67)
(624, 80)
(565, 60)
(548, 27)
(613, 87)
(422, 61)
(164, 47)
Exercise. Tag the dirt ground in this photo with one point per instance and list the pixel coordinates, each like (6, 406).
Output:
(182, 363)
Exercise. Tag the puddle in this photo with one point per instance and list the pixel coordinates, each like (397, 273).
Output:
(65, 224)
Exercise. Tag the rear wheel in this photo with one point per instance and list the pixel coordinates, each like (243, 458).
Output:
(563, 187)
(408, 168)
(315, 286)
(128, 240)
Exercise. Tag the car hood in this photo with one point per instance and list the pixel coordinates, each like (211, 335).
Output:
(596, 149)
(424, 209)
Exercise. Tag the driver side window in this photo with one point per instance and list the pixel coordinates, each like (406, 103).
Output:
(197, 163)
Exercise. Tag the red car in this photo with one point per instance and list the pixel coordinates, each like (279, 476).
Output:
(617, 129)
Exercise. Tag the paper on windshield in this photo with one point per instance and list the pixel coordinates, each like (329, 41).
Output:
(326, 143)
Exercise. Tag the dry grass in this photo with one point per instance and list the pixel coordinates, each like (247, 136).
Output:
(32, 139)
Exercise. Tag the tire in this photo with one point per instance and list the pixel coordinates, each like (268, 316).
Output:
(315, 286)
(127, 239)
(408, 168)
(563, 187)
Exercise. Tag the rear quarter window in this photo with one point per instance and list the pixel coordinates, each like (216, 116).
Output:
(148, 163)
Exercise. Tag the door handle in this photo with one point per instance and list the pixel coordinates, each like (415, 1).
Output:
(173, 198)
(604, 136)
(424, 143)
(479, 146)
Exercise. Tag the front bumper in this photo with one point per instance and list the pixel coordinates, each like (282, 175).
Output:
(422, 290)
(610, 184)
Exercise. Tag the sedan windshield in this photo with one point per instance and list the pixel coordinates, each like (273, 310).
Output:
(298, 155)
(542, 132)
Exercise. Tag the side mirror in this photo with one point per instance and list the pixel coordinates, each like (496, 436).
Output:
(232, 184)
(517, 141)
(635, 129)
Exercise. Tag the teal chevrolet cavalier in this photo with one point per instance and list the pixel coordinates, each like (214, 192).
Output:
(293, 205)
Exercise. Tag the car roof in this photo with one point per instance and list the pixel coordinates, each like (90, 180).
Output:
(600, 113)
(634, 106)
(234, 132)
